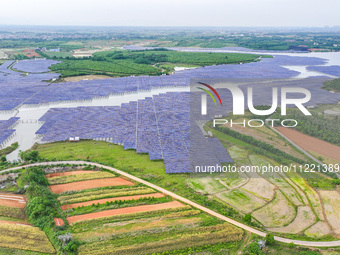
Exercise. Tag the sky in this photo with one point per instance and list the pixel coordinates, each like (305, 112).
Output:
(220, 13)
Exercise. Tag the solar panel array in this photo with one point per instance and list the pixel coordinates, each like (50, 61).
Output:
(15, 89)
(35, 65)
(158, 125)
(331, 70)
(6, 131)
(89, 89)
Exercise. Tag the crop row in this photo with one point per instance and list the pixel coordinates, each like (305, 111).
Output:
(117, 204)
(101, 194)
(81, 226)
(79, 177)
(24, 238)
(200, 236)
(12, 212)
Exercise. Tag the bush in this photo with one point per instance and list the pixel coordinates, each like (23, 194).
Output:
(32, 156)
(247, 218)
(270, 239)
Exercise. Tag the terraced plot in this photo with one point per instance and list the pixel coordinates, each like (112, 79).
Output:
(242, 200)
(24, 238)
(134, 209)
(278, 213)
(70, 173)
(331, 202)
(105, 200)
(89, 195)
(74, 176)
(118, 181)
(319, 229)
(304, 218)
(12, 200)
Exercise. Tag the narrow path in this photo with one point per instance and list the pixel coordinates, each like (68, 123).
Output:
(187, 201)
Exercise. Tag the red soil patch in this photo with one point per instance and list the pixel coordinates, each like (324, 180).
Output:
(15, 223)
(59, 222)
(12, 200)
(60, 188)
(133, 209)
(103, 201)
(309, 143)
(69, 173)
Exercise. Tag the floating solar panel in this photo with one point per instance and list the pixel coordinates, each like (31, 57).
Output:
(331, 70)
(35, 65)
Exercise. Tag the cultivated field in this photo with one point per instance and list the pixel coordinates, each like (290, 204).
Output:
(68, 177)
(312, 144)
(81, 185)
(125, 213)
(105, 200)
(331, 202)
(24, 238)
(12, 200)
(133, 209)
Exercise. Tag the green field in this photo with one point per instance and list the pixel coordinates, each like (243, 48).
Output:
(60, 54)
(156, 62)
(333, 85)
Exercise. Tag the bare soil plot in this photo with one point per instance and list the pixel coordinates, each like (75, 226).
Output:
(69, 173)
(60, 188)
(14, 222)
(304, 218)
(12, 200)
(277, 213)
(268, 136)
(319, 229)
(59, 222)
(133, 209)
(241, 200)
(103, 201)
(309, 143)
(87, 77)
(331, 203)
(260, 187)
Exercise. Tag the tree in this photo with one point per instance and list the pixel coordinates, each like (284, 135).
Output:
(3, 159)
(29, 156)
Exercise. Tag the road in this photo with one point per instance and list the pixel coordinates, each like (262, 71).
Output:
(189, 202)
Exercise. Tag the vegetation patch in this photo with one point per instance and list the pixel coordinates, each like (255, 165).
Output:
(333, 85)
(79, 177)
(101, 194)
(24, 238)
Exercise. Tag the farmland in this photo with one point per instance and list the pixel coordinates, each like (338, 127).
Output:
(290, 197)
(24, 238)
(91, 213)
(15, 230)
(312, 144)
(125, 63)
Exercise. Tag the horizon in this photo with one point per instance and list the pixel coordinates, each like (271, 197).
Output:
(217, 13)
